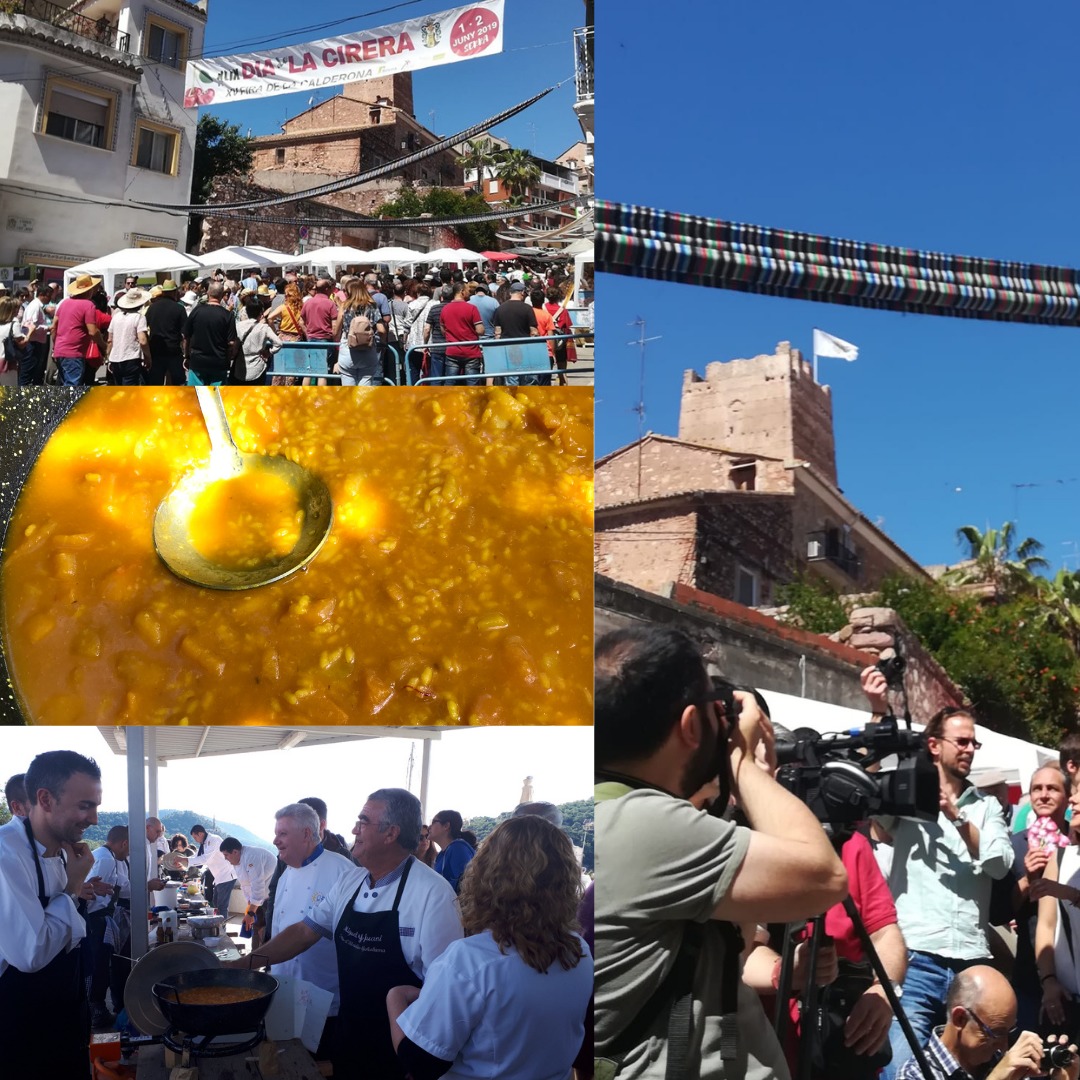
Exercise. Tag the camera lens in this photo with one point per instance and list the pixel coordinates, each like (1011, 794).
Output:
(1056, 1056)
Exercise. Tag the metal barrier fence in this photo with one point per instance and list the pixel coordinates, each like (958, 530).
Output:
(511, 359)
(517, 358)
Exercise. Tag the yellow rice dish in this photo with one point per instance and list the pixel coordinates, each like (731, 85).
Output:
(455, 586)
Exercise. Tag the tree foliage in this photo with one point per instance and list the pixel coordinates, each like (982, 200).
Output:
(444, 203)
(220, 150)
(479, 155)
(1021, 679)
(518, 170)
(995, 558)
(5, 811)
(812, 605)
(577, 824)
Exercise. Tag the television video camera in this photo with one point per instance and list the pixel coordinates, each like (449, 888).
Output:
(829, 773)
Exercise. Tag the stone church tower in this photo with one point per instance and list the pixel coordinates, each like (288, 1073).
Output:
(395, 90)
(768, 405)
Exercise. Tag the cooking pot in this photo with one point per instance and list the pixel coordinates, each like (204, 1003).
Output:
(229, 1019)
(28, 416)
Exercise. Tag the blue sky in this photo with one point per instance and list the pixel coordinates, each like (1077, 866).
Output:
(537, 53)
(945, 127)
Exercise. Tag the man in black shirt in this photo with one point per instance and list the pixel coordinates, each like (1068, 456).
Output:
(516, 319)
(210, 340)
(165, 318)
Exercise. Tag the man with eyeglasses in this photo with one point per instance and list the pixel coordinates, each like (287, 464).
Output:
(980, 1023)
(676, 883)
(942, 872)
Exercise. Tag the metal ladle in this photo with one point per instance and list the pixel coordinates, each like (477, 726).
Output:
(172, 533)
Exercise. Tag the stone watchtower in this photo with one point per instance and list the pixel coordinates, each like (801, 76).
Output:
(768, 405)
(395, 90)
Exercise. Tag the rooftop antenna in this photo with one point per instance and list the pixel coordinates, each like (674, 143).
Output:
(412, 762)
(639, 408)
(431, 117)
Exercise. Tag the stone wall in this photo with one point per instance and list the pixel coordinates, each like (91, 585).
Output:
(647, 548)
(747, 530)
(876, 630)
(767, 405)
(751, 649)
(667, 466)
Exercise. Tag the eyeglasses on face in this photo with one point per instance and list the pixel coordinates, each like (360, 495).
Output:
(963, 742)
(989, 1032)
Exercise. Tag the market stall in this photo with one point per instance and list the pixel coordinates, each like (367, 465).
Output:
(138, 261)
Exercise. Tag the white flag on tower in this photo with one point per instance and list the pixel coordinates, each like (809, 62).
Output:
(827, 345)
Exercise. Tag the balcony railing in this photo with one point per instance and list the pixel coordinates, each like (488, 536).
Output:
(583, 62)
(829, 545)
(100, 30)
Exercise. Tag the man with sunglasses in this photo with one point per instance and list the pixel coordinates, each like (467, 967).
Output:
(676, 882)
(942, 872)
(980, 1024)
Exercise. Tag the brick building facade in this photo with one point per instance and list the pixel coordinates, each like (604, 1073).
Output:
(368, 124)
(745, 499)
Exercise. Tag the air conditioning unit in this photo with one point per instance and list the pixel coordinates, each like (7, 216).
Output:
(815, 549)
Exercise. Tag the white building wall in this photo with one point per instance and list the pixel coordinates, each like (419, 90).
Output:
(54, 193)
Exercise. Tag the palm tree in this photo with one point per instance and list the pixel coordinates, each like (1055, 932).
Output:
(479, 155)
(518, 170)
(1060, 603)
(994, 559)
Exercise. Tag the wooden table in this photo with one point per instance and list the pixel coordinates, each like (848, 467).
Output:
(294, 1063)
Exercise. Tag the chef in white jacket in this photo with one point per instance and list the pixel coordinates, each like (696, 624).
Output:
(310, 873)
(254, 868)
(209, 855)
(44, 1013)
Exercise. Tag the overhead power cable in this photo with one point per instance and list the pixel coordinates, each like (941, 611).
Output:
(372, 174)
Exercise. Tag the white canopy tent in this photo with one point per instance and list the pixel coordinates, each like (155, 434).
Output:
(1013, 757)
(454, 255)
(276, 258)
(333, 257)
(148, 260)
(395, 256)
(235, 258)
(150, 748)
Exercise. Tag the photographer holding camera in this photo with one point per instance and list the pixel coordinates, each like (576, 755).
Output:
(941, 872)
(980, 1012)
(674, 883)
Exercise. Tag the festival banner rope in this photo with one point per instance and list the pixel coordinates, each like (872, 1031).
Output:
(665, 246)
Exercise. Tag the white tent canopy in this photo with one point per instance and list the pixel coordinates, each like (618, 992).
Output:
(394, 256)
(333, 257)
(148, 260)
(150, 748)
(454, 255)
(235, 258)
(276, 258)
(1013, 757)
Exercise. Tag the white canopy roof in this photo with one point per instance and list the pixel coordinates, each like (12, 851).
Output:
(395, 255)
(1015, 758)
(454, 255)
(236, 258)
(148, 260)
(334, 256)
(276, 258)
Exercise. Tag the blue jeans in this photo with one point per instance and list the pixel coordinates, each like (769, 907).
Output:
(32, 371)
(456, 366)
(72, 369)
(222, 892)
(925, 986)
(125, 373)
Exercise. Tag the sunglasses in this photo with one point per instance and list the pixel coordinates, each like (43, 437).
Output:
(963, 742)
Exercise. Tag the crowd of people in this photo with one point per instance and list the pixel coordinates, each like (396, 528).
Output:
(218, 329)
(706, 863)
(444, 956)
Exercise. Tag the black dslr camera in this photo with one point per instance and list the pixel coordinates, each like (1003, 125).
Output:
(893, 667)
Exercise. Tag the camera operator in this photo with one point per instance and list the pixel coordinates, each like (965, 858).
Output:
(941, 872)
(853, 1050)
(980, 1012)
(674, 882)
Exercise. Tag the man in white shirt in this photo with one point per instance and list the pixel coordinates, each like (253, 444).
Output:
(44, 1014)
(221, 870)
(154, 832)
(36, 324)
(109, 871)
(254, 868)
(310, 873)
(388, 919)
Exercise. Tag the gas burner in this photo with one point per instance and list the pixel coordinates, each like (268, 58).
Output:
(199, 1046)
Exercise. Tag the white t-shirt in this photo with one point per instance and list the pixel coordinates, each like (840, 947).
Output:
(213, 860)
(36, 321)
(299, 890)
(107, 867)
(124, 333)
(494, 1016)
(32, 936)
(254, 872)
(427, 915)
